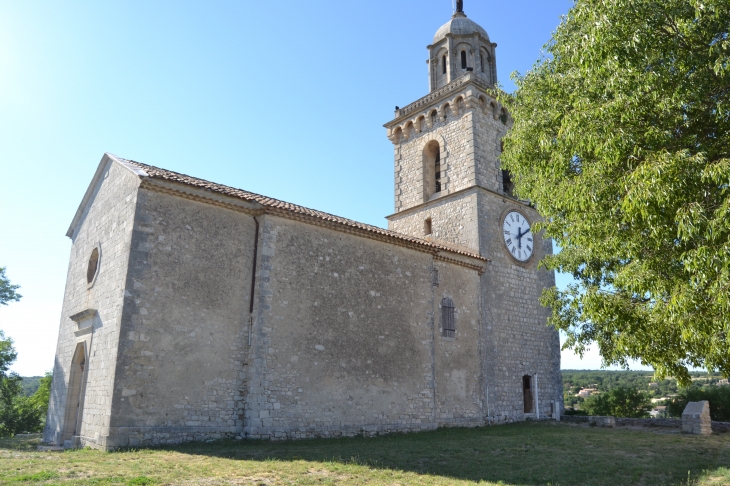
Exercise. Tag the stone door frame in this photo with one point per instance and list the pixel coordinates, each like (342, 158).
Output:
(75, 397)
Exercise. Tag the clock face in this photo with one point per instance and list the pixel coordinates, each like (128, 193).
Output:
(517, 236)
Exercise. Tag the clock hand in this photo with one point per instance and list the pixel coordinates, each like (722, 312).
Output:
(529, 230)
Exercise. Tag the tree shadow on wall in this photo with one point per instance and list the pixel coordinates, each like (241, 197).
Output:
(521, 454)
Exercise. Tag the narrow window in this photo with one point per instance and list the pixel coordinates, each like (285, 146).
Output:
(437, 171)
(507, 184)
(527, 392)
(443, 65)
(463, 59)
(427, 227)
(448, 325)
(481, 60)
(434, 116)
(93, 265)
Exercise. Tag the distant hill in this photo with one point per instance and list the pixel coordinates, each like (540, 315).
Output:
(30, 384)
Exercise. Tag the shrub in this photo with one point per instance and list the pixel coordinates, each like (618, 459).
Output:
(718, 396)
(18, 413)
(619, 402)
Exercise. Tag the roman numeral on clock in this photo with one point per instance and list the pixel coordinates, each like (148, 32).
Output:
(509, 242)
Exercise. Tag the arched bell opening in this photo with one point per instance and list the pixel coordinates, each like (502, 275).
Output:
(431, 170)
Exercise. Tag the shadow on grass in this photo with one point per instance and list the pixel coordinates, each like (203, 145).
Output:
(525, 453)
(26, 443)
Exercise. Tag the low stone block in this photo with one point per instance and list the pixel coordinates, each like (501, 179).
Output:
(602, 421)
(696, 418)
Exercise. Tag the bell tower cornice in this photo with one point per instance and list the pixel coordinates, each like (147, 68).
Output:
(470, 88)
(437, 96)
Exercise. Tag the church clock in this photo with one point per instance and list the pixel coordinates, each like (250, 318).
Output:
(518, 236)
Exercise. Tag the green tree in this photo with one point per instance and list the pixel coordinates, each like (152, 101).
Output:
(42, 395)
(7, 291)
(9, 391)
(19, 413)
(718, 396)
(621, 142)
(619, 402)
(10, 388)
(7, 355)
(30, 412)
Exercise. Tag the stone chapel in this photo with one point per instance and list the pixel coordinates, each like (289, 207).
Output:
(198, 311)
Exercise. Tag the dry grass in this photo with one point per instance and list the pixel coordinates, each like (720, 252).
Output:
(518, 454)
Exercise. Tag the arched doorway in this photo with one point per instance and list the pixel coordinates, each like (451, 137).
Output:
(76, 391)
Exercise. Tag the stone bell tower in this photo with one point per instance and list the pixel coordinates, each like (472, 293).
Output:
(450, 187)
(447, 144)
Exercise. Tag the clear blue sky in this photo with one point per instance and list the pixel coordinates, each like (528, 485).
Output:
(284, 98)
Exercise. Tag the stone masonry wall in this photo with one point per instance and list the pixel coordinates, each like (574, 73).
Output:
(345, 340)
(519, 342)
(470, 140)
(454, 135)
(453, 220)
(183, 345)
(459, 374)
(107, 222)
(488, 134)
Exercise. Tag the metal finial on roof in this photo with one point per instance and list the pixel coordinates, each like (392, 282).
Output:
(460, 6)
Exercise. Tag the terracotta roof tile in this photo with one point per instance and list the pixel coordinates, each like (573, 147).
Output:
(168, 175)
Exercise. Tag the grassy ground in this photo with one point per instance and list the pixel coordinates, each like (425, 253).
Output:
(518, 454)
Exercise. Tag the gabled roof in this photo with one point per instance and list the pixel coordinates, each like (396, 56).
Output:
(268, 204)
